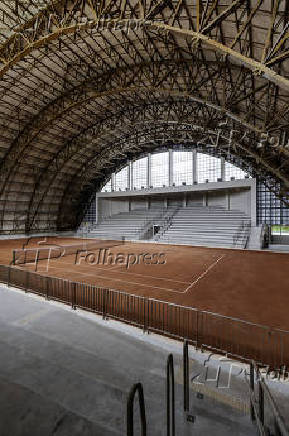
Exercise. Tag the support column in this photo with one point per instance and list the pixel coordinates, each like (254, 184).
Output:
(185, 200)
(205, 199)
(112, 182)
(195, 168)
(171, 168)
(128, 174)
(96, 209)
(253, 192)
(149, 202)
(149, 171)
(131, 176)
(223, 169)
(228, 198)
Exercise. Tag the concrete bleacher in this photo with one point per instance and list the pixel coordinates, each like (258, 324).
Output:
(207, 226)
(192, 225)
(132, 225)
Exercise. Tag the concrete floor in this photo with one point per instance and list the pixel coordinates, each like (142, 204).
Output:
(66, 373)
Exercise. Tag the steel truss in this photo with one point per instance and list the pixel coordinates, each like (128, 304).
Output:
(86, 85)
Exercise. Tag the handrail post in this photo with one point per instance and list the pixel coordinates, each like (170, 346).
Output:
(197, 330)
(144, 314)
(148, 316)
(129, 417)
(27, 281)
(252, 390)
(170, 399)
(47, 287)
(277, 428)
(186, 376)
(8, 276)
(103, 303)
(261, 403)
(73, 295)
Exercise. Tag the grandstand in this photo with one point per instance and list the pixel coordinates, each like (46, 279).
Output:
(144, 217)
(210, 226)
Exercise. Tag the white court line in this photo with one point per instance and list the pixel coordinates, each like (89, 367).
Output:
(204, 274)
(135, 274)
(120, 280)
(143, 275)
(150, 286)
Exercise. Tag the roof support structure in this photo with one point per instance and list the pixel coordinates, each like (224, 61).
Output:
(86, 85)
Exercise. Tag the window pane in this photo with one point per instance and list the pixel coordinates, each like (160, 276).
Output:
(182, 167)
(139, 173)
(121, 180)
(208, 168)
(107, 187)
(160, 169)
(271, 210)
(233, 171)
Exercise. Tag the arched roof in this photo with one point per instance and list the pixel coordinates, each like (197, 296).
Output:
(86, 85)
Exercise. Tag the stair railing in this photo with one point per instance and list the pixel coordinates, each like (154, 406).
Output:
(170, 397)
(186, 376)
(167, 218)
(261, 401)
(242, 234)
(130, 410)
(245, 233)
(149, 222)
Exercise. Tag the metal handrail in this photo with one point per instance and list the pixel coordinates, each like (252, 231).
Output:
(149, 221)
(170, 398)
(242, 233)
(247, 233)
(167, 218)
(257, 404)
(186, 376)
(130, 411)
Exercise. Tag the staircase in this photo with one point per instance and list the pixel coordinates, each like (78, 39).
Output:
(207, 226)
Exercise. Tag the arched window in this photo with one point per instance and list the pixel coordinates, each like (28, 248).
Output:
(172, 168)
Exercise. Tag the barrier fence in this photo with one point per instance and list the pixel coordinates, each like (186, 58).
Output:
(234, 337)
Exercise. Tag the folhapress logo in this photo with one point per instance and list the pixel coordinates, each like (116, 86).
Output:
(104, 256)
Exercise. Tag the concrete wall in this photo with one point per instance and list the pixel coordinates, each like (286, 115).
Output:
(156, 203)
(108, 207)
(241, 200)
(218, 199)
(229, 200)
(195, 199)
(138, 203)
(175, 202)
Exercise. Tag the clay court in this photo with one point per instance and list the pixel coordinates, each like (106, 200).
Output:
(249, 285)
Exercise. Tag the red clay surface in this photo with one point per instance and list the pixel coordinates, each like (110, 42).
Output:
(249, 285)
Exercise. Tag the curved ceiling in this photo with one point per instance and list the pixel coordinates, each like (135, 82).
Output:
(86, 85)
